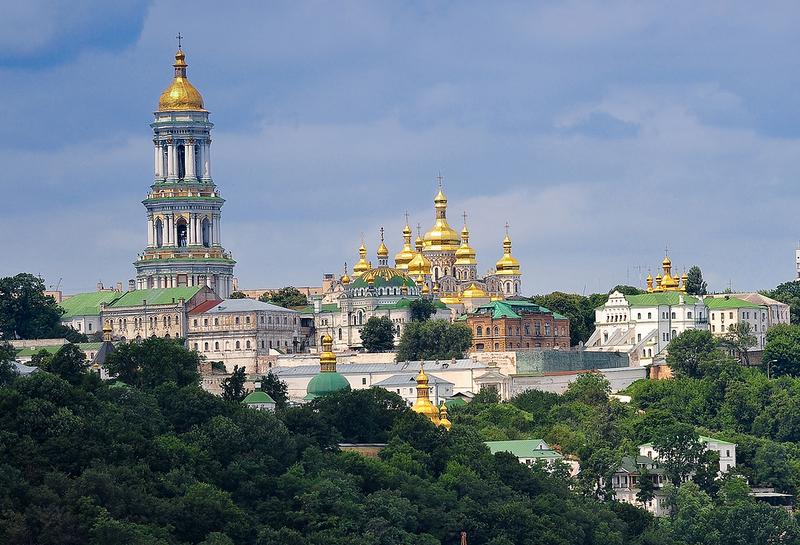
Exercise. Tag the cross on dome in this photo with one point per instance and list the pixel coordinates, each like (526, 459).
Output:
(179, 37)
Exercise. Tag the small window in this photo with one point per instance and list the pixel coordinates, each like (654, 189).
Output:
(247, 319)
(194, 322)
(247, 344)
(236, 320)
(649, 315)
(638, 315)
(363, 381)
(238, 345)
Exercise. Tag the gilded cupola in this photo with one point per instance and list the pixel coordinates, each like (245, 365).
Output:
(328, 380)
(441, 237)
(666, 281)
(383, 253)
(466, 254)
(443, 420)
(362, 265)
(423, 404)
(419, 264)
(180, 95)
(508, 264)
(404, 256)
(345, 279)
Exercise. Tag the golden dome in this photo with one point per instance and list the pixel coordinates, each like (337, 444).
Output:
(425, 289)
(423, 404)
(473, 292)
(435, 288)
(404, 256)
(507, 264)
(327, 359)
(441, 237)
(383, 251)
(466, 254)
(362, 265)
(345, 279)
(419, 264)
(180, 95)
(443, 420)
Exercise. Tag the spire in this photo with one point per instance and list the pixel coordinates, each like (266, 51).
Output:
(466, 254)
(507, 265)
(345, 279)
(441, 237)
(383, 253)
(180, 95)
(362, 265)
(422, 404)
(404, 256)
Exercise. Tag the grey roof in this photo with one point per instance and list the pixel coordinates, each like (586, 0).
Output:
(410, 379)
(246, 305)
(365, 368)
(24, 370)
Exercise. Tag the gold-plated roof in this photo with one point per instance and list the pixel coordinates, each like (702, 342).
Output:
(423, 404)
(404, 256)
(327, 359)
(180, 95)
(667, 282)
(441, 236)
(473, 292)
(345, 279)
(508, 264)
(466, 254)
(362, 265)
(443, 420)
(450, 300)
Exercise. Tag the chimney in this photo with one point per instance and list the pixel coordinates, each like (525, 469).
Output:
(131, 285)
(99, 286)
(119, 286)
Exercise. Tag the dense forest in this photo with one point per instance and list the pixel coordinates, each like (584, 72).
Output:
(156, 460)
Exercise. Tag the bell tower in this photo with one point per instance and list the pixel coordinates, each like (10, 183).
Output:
(184, 236)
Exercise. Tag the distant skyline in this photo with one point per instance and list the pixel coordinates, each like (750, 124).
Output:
(601, 131)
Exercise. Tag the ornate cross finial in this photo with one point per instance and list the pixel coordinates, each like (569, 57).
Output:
(666, 250)
(179, 37)
(465, 217)
(507, 226)
(345, 267)
(381, 234)
(419, 229)
(440, 179)
(406, 217)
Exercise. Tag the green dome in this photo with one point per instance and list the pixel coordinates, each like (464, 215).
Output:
(258, 397)
(326, 383)
(384, 277)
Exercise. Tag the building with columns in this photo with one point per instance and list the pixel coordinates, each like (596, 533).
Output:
(184, 239)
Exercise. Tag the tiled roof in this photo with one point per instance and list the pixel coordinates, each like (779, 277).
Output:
(156, 296)
(87, 304)
(245, 305)
(662, 298)
(728, 302)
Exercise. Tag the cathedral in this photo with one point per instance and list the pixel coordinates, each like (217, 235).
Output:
(184, 238)
(440, 266)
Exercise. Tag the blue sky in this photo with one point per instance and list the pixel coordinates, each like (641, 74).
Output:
(601, 131)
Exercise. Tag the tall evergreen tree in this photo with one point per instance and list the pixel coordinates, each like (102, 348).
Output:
(695, 285)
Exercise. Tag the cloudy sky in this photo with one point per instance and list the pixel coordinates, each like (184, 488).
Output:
(603, 132)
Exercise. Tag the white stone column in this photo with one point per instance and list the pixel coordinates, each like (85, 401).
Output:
(171, 162)
(217, 232)
(150, 239)
(171, 230)
(157, 157)
(188, 154)
(206, 157)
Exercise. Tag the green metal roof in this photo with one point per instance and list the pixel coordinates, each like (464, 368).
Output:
(162, 296)
(729, 302)
(309, 309)
(514, 309)
(326, 383)
(383, 277)
(661, 298)
(523, 448)
(87, 304)
(258, 397)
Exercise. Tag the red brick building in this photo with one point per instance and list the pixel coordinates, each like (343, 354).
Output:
(516, 325)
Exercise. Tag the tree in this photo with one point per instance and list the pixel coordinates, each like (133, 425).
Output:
(486, 396)
(694, 282)
(27, 313)
(233, 387)
(433, 340)
(69, 363)
(679, 451)
(7, 356)
(378, 334)
(782, 350)
(739, 340)
(578, 308)
(275, 388)
(626, 290)
(421, 310)
(153, 362)
(287, 297)
(590, 388)
(647, 488)
(238, 295)
(688, 350)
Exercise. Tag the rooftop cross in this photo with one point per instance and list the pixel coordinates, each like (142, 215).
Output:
(507, 226)
(381, 234)
(179, 37)
(440, 179)
(465, 217)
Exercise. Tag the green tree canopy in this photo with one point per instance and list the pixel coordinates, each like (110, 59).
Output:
(233, 386)
(679, 451)
(688, 351)
(287, 297)
(626, 290)
(27, 313)
(378, 334)
(275, 388)
(432, 340)
(421, 310)
(153, 362)
(782, 350)
(238, 295)
(578, 308)
(695, 285)
(69, 363)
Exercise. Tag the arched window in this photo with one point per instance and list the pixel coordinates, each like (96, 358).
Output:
(216, 346)
(247, 319)
(205, 227)
(181, 157)
(340, 333)
(285, 320)
(216, 321)
(205, 347)
(159, 233)
(479, 331)
(496, 330)
(247, 344)
(236, 320)
(182, 232)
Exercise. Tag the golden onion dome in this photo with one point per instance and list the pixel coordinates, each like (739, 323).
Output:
(435, 288)
(419, 264)
(508, 264)
(404, 256)
(466, 254)
(383, 251)
(362, 265)
(345, 279)
(441, 236)
(425, 289)
(327, 359)
(180, 95)
(474, 292)
(443, 420)
(423, 404)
